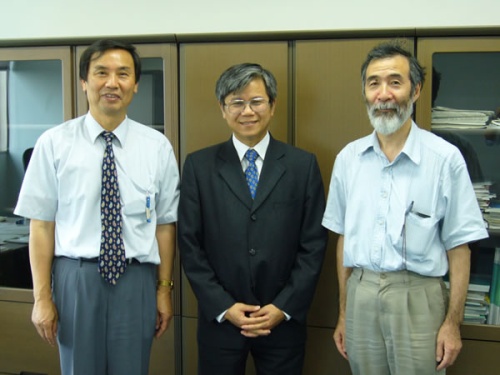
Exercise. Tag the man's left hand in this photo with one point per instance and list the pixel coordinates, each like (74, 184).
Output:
(448, 346)
(274, 317)
(165, 312)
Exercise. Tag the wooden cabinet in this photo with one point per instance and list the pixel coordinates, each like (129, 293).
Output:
(319, 108)
(462, 73)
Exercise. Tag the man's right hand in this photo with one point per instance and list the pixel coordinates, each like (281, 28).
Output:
(44, 317)
(339, 337)
(239, 315)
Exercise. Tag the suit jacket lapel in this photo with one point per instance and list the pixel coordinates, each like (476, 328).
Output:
(230, 170)
(271, 173)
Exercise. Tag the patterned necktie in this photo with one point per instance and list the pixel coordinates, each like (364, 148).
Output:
(112, 261)
(251, 173)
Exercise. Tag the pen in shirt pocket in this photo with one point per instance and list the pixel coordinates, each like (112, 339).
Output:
(416, 211)
(148, 207)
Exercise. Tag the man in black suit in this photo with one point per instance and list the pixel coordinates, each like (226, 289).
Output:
(252, 252)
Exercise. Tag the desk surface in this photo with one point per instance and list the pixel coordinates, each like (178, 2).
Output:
(14, 233)
(14, 254)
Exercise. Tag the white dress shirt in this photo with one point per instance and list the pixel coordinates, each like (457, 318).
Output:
(63, 184)
(422, 202)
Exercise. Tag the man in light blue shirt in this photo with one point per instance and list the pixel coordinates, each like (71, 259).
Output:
(403, 205)
(102, 328)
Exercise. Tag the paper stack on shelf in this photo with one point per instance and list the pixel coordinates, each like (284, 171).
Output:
(477, 304)
(492, 217)
(451, 118)
(494, 315)
(484, 197)
(483, 194)
(476, 308)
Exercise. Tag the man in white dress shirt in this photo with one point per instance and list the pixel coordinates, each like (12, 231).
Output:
(101, 327)
(403, 205)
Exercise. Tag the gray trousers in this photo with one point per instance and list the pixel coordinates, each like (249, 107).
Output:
(392, 320)
(104, 329)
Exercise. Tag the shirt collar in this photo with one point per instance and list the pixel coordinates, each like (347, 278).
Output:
(260, 147)
(410, 149)
(95, 129)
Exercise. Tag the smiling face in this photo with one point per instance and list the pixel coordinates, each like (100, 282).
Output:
(249, 126)
(110, 86)
(388, 95)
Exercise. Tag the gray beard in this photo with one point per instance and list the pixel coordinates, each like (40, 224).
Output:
(386, 124)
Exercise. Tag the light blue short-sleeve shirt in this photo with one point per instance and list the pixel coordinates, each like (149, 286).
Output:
(403, 214)
(63, 184)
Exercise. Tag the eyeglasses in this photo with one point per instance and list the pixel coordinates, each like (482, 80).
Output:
(237, 106)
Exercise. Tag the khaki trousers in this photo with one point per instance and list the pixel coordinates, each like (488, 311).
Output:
(392, 320)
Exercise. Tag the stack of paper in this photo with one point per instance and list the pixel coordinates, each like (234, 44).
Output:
(492, 217)
(476, 307)
(451, 118)
(483, 194)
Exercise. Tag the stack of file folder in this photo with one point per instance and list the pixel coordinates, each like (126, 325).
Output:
(451, 118)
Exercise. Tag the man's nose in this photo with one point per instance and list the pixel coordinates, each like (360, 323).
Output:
(112, 80)
(247, 109)
(384, 93)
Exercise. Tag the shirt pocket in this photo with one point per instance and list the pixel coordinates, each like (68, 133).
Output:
(139, 198)
(421, 234)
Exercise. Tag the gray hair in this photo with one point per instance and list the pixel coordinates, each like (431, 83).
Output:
(237, 77)
(391, 49)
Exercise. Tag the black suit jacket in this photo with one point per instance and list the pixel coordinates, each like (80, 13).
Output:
(262, 251)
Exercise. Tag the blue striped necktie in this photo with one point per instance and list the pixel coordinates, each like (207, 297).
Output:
(112, 260)
(251, 173)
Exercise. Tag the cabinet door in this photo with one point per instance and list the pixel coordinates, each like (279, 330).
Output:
(202, 124)
(463, 76)
(329, 113)
(35, 95)
(21, 349)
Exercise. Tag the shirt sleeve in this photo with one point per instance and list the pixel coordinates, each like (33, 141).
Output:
(334, 217)
(463, 221)
(168, 190)
(38, 197)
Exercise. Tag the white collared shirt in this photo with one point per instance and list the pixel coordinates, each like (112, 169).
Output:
(260, 147)
(422, 202)
(63, 184)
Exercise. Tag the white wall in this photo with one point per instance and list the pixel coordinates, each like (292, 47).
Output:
(46, 19)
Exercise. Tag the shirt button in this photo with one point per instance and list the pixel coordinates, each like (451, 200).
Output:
(253, 217)
(252, 251)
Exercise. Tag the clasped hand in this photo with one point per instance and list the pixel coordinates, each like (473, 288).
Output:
(254, 321)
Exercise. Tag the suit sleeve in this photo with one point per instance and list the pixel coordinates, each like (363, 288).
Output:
(296, 297)
(211, 296)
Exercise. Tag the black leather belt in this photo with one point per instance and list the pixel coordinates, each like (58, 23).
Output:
(96, 259)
